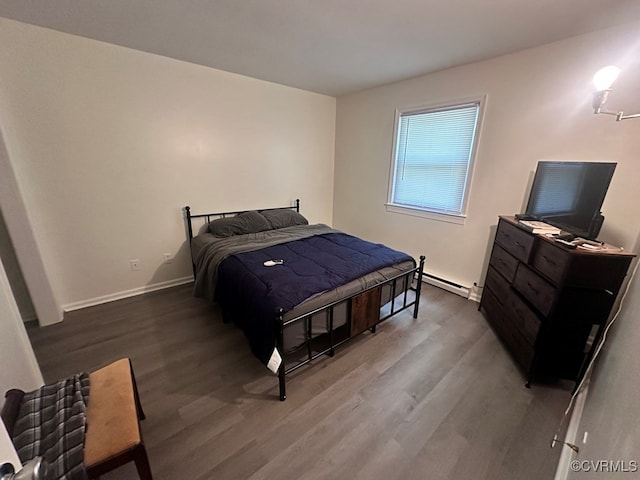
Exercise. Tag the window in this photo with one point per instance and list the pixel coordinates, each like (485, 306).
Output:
(433, 156)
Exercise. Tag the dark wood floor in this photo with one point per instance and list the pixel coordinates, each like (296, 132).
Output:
(433, 398)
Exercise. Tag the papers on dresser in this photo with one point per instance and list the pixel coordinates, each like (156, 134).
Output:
(535, 226)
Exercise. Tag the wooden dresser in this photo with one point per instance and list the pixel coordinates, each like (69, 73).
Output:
(547, 303)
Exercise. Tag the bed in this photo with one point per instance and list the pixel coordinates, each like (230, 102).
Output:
(296, 290)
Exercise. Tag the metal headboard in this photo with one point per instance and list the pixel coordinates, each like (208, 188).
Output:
(208, 216)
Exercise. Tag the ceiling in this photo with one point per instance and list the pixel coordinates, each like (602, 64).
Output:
(332, 47)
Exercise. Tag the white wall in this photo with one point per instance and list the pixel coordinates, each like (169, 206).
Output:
(538, 108)
(109, 144)
(19, 366)
(14, 274)
(24, 242)
(7, 452)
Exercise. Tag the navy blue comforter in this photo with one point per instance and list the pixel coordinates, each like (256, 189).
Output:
(250, 292)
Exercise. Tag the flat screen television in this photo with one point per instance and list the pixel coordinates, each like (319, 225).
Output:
(569, 195)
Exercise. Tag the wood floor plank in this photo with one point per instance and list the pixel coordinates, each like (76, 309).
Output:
(435, 397)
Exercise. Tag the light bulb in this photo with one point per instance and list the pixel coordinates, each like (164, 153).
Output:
(604, 78)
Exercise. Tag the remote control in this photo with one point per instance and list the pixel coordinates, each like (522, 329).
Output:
(565, 236)
(271, 263)
(566, 243)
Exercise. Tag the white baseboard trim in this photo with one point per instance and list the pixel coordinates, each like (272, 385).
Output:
(568, 454)
(32, 317)
(446, 285)
(475, 295)
(69, 307)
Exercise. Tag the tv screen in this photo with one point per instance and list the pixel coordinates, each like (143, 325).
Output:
(569, 195)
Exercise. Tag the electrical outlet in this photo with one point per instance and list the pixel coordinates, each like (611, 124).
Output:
(168, 258)
(136, 264)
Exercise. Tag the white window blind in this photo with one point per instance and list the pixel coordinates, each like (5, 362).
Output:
(434, 149)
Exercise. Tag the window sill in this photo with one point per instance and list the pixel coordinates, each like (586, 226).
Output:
(416, 212)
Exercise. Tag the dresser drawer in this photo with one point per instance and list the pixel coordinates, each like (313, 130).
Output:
(521, 350)
(510, 335)
(497, 284)
(534, 288)
(514, 240)
(522, 317)
(551, 261)
(493, 311)
(504, 263)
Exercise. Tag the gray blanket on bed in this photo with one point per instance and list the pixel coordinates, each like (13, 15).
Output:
(209, 251)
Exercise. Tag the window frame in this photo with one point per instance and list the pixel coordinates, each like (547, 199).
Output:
(451, 217)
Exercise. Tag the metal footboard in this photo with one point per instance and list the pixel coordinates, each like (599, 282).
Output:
(399, 302)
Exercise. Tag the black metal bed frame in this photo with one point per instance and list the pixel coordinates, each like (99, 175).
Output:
(408, 279)
(209, 216)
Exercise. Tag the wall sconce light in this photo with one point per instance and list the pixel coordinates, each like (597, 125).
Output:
(603, 79)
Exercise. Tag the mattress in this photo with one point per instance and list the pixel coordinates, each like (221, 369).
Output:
(210, 252)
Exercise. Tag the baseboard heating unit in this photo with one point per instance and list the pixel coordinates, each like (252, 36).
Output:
(447, 285)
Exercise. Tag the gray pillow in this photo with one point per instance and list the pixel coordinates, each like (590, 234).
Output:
(246, 222)
(284, 218)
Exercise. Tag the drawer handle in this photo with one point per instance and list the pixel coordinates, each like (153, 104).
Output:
(549, 261)
(533, 289)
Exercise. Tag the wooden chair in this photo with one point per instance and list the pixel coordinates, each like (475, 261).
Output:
(113, 436)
